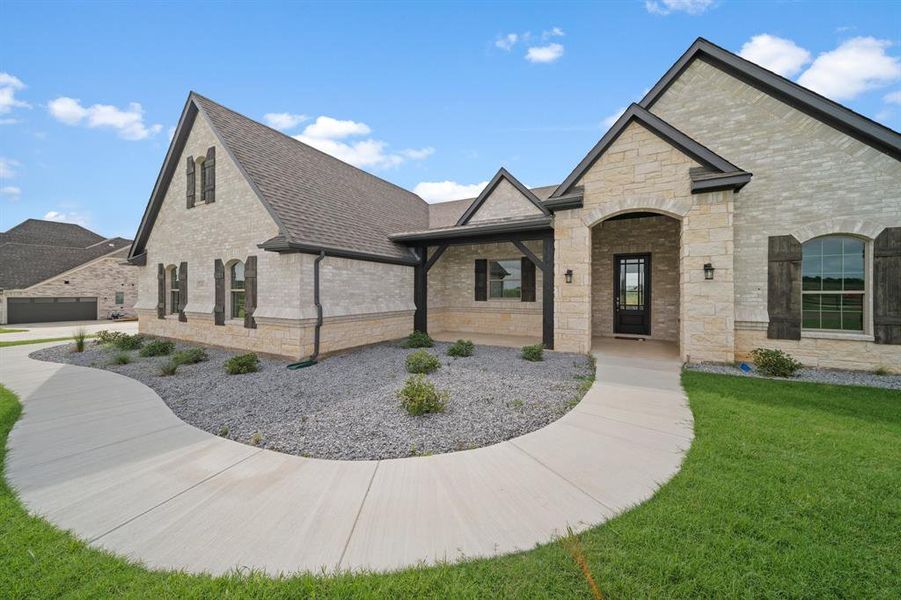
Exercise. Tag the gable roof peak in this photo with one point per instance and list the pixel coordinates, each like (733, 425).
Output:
(502, 174)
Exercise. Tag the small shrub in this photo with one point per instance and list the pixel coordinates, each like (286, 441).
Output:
(168, 368)
(109, 338)
(422, 362)
(79, 337)
(533, 353)
(882, 371)
(223, 431)
(256, 438)
(158, 348)
(128, 342)
(419, 339)
(461, 348)
(243, 363)
(774, 363)
(419, 396)
(191, 356)
(122, 358)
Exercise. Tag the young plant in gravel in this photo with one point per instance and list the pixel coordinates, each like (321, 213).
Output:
(122, 358)
(533, 353)
(79, 338)
(419, 339)
(191, 356)
(109, 338)
(461, 349)
(128, 342)
(243, 363)
(774, 363)
(256, 438)
(158, 348)
(168, 368)
(422, 362)
(419, 396)
(223, 431)
(882, 371)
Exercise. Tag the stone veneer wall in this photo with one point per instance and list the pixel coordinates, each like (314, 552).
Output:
(640, 172)
(809, 179)
(363, 302)
(452, 306)
(100, 278)
(504, 202)
(658, 236)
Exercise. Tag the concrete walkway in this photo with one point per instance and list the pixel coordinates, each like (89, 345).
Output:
(45, 331)
(101, 454)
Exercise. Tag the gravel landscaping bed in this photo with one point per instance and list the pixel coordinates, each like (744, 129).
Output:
(834, 376)
(346, 407)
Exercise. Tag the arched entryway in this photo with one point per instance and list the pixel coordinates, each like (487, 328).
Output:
(636, 276)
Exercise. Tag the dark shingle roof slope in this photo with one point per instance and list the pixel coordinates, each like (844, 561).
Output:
(38, 250)
(316, 199)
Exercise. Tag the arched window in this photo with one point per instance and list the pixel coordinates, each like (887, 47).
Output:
(172, 278)
(833, 283)
(236, 290)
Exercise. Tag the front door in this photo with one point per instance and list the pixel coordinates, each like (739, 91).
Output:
(632, 294)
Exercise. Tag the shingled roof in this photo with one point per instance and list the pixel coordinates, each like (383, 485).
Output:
(317, 201)
(35, 250)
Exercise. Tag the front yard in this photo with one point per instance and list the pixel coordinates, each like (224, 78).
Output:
(789, 490)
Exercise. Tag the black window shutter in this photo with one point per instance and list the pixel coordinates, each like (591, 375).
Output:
(219, 279)
(189, 181)
(182, 291)
(481, 287)
(209, 175)
(784, 288)
(161, 291)
(250, 291)
(887, 286)
(528, 280)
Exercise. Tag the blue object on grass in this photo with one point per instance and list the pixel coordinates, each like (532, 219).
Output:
(745, 368)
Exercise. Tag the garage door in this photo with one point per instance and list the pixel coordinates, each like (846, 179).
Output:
(44, 310)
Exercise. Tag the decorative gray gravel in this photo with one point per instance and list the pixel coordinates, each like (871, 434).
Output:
(346, 407)
(833, 376)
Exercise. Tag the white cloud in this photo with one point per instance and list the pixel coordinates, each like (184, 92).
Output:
(69, 217)
(776, 54)
(171, 133)
(893, 97)
(856, 66)
(8, 168)
(665, 7)
(553, 32)
(329, 128)
(284, 121)
(9, 85)
(443, 191)
(507, 42)
(420, 154)
(129, 123)
(608, 121)
(11, 191)
(544, 54)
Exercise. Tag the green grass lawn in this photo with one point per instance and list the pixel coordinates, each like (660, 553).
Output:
(39, 341)
(790, 490)
(5, 330)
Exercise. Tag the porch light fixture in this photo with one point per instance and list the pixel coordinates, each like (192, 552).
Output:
(569, 276)
(708, 271)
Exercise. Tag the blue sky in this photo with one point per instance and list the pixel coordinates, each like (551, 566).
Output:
(431, 96)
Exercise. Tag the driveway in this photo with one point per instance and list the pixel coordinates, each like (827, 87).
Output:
(101, 455)
(37, 331)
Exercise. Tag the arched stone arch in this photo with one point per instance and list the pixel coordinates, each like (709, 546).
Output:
(837, 226)
(676, 208)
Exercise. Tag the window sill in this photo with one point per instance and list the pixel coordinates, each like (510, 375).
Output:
(837, 335)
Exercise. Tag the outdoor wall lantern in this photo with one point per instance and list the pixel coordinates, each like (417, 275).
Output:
(569, 276)
(708, 271)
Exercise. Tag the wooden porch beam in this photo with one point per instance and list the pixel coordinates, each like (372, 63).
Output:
(530, 255)
(435, 256)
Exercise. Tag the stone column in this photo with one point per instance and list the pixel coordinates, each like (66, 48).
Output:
(572, 301)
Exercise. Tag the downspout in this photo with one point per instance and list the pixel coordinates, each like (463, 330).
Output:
(309, 362)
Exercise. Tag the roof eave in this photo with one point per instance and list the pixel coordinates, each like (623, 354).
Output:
(726, 181)
(449, 233)
(281, 245)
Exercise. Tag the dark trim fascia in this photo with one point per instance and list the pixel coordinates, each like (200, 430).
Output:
(139, 260)
(530, 255)
(502, 173)
(819, 107)
(449, 234)
(281, 245)
(727, 181)
(661, 129)
(566, 202)
(490, 238)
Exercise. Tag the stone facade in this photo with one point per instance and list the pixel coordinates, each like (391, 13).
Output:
(505, 201)
(100, 278)
(452, 304)
(363, 302)
(657, 236)
(809, 180)
(640, 172)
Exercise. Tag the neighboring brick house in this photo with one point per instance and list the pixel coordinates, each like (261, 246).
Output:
(729, 209)
(62, 272)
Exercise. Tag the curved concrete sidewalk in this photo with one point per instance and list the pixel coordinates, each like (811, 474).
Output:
(102, 455)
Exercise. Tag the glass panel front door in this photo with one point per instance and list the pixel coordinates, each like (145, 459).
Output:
(631, 307)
